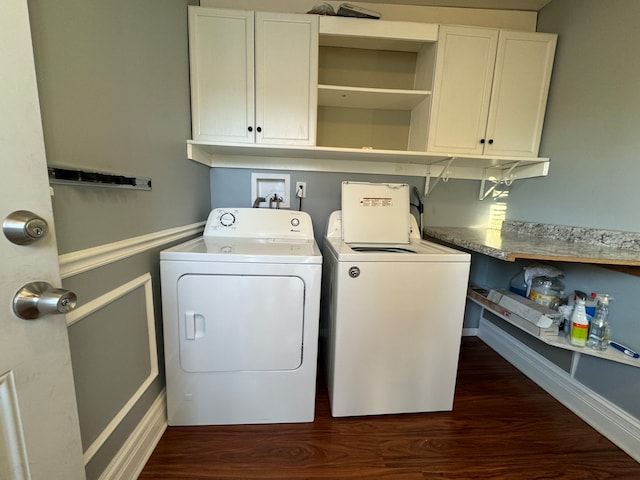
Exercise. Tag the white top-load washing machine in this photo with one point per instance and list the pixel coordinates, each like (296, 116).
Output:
(241, 312)
(393, 307)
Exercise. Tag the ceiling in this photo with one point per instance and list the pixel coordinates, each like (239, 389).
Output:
(530, 5)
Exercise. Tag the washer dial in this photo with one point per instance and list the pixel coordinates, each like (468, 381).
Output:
(227, 219)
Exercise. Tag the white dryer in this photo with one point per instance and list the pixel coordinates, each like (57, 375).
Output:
(393, 307)
(241, 310)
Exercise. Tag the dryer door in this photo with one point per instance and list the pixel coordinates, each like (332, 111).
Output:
(240, 322)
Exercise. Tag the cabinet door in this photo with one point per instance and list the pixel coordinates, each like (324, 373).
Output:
(462, 89)
(221, 44)
(286, 78)
(519, 97)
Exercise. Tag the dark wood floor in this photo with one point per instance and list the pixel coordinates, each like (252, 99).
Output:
(502, 426)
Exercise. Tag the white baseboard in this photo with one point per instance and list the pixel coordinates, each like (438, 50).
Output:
(132, 457)
(469, 332)
(607, 418)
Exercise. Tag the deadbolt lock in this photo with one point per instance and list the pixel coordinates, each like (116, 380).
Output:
(23, 227)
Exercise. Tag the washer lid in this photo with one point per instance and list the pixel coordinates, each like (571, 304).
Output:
(254, 250)
(375, 212)
(414, 251)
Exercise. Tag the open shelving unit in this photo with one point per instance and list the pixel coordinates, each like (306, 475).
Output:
(558, 341)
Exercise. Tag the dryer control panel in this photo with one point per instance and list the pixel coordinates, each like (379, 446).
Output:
(259, 223)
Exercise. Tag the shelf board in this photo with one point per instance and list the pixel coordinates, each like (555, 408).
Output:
(371, 98)
(376, 34)
(354, 160)
(558, 341)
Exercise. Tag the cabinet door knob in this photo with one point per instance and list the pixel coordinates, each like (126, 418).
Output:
(251, 129)
(491, 141)
(259, 129)
(482, 140)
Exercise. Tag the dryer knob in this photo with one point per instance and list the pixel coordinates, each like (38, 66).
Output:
(227, 219)
(354, 272)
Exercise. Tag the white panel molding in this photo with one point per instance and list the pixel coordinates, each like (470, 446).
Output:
(143, 281)
(80, 261)
(111, 296)
(13, 451)
(606, 417)
(132, 457)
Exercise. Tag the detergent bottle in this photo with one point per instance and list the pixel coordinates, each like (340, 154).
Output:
(579, 324)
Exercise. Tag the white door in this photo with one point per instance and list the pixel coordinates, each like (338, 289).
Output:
(39, 432)
(220, 331)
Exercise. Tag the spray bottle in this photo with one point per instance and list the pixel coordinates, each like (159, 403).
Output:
(579, 323)
(599, 328)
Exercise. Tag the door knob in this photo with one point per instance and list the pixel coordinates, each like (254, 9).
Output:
(23, 227)
(40, 298)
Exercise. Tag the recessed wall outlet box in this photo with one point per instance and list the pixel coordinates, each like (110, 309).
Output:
(273, 187)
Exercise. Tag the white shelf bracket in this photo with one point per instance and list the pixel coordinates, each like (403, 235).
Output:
(444, 176)
(507, 179)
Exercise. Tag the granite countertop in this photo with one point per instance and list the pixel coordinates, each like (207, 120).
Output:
(545, 242)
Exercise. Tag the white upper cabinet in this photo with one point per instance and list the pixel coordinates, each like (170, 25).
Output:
(490, 91)
(253, 76)
(336, 94)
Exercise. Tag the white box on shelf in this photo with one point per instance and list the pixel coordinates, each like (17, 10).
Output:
(533, 312)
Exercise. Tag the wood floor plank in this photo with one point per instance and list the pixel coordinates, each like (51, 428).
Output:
(503, 426)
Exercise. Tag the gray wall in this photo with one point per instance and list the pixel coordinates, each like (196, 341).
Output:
(591, 126)
(113, 77)
(591, 137)
(231, 187)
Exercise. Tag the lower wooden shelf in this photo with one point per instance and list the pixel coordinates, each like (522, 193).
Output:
(560, 341)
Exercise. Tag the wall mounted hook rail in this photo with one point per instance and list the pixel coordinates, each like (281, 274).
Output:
(68, 176)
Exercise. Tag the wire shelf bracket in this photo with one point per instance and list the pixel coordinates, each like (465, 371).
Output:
(444, 176)
(507, 179)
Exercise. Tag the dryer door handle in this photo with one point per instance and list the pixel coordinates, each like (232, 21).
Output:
(193, 325)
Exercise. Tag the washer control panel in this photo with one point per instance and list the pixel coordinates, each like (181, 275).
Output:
(258, 223)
